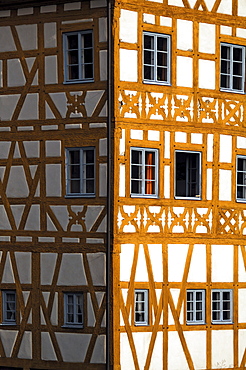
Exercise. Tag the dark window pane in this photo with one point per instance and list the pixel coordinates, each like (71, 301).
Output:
(148, 57)
(136, 156)
(225, 81)
(87, 40)
(225, 52)
(237, 54)
(215, 315)
(74, 186)
(73, 57)
(89, 186)
(75, 172)
(162, 43)
(88, 68)
(226, 296)
(216, 296)
(74, 156)
(148, 42)
(162, 59)
(161, 74)
(237, 83)
(136, 187)
(148, 73)
(225, 67)
(189, 316)
(237, 69)
(72, 41)
(73, 72)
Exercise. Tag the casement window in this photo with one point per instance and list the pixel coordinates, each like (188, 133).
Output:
(156, 58)
(80, 171)
(8, 307)
(221, 306)
(187, 174)
(78, 56)
(141, 314)
(144, 164)
(232, 68)
(241, 178)
(73, 309)
(195, 306)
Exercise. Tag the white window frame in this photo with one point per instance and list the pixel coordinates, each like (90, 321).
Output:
(230, 74)
(199, 176)
(5, 308)
(220, 310)
(243, 200)
(155, 66)
(194, 309)
(143, 180)
(82, 177)
(75, 313)
(82, 77)
(145, 311)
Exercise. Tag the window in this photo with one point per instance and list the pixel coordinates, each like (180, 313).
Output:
(188, 174)
(195, 307)
(241, 178)
(232, 67)
(80, 171)
(221, 306)
(141, 307)
(78, 56)
(73, 303)
(156, 58)
(144, 172)
(9, 306)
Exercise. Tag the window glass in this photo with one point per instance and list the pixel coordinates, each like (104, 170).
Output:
(232, 67)
(141, 307)
(73, 305)
(187, 174)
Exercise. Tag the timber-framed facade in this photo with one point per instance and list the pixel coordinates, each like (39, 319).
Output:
(122, 184)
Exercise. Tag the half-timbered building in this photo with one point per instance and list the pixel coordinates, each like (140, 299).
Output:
(122, 184)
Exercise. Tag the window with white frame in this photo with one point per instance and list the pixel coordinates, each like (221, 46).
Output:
(80, 171)
(232, 67)
(241, 178)
(195, 306)
(187, 174)
(221, 306)
(141, 314)
(9, 306)
(73, 309)
(156, 58)
(78, 56)
(144, 176)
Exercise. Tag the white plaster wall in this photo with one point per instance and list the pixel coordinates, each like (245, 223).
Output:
(166, 21)
(30, 107)
(28, 36)
(8, 275)
(241, 342)
(48, 262)
(8, 338)
(176, 3)
(72, 6)
(50, 35)
(97, 268)
(180, 137)
(141, 341)
(52, 148)
(141, 269)
(47, 349)
(209, 189)
(225, 148)
(241, 8)
(166, 181)
(98, 3)
(102, 22)
(48, 9)
(15, 73)
(72, 270)
(126, 359)
(103, 179)
(122, 180)
(184, 71)
(31, 148)
(241, 32)
(226, 30)
(206, 74)
(103, 64)
(241, 305)
(156, 362)
(25, 350)
(122, 146)
(149, 18)
(153, 135)
(99, 352)
(210, 138)
(196, 138)
(222, 356)
(225, 7)
(222, 263)
(155, 252)
(128, 65)
(241, 142)
(51, 76)
(73, 346)
(167, 144)
(184, 34)
(207, 38)
(7, 106)
(177, 361)
(225, 185)
(241, 266)
(6, 40)
(17, 185)
(53, 180)
(23, 261)
(196, 342)
(126, 258)
(176, 265)
(128, 26)
(197, 271)
(136, 134)
(33, 219)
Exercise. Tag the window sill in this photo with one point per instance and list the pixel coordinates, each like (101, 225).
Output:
(222, 323)
(74, 326)
(80, 195)
(78, 81)
(188, 198)
(141, 324)
(8, 323)
(195, 323)
(156, 83)
(233, 91)
(241, 200)
(148, 196)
